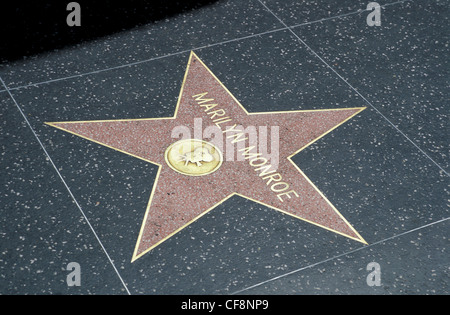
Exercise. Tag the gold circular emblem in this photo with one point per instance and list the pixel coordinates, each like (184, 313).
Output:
(193, 157)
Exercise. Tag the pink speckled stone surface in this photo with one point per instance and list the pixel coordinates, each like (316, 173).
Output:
(177, 200)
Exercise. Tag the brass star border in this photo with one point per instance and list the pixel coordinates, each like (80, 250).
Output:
(177, 200)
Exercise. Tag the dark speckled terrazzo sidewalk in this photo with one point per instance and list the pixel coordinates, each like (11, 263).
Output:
(67, 199)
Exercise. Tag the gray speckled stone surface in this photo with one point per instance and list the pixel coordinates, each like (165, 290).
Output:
(394, 195)
(295, 13)
(415, 269)
(42, 230)
(221, 21)
(400, 67)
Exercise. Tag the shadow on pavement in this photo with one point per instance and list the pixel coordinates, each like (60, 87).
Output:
(33, 27)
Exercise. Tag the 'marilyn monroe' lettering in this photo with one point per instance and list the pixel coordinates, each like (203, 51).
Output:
(270, 176)
(273, 179)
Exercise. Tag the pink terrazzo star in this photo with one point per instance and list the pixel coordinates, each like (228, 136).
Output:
(179, 199)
